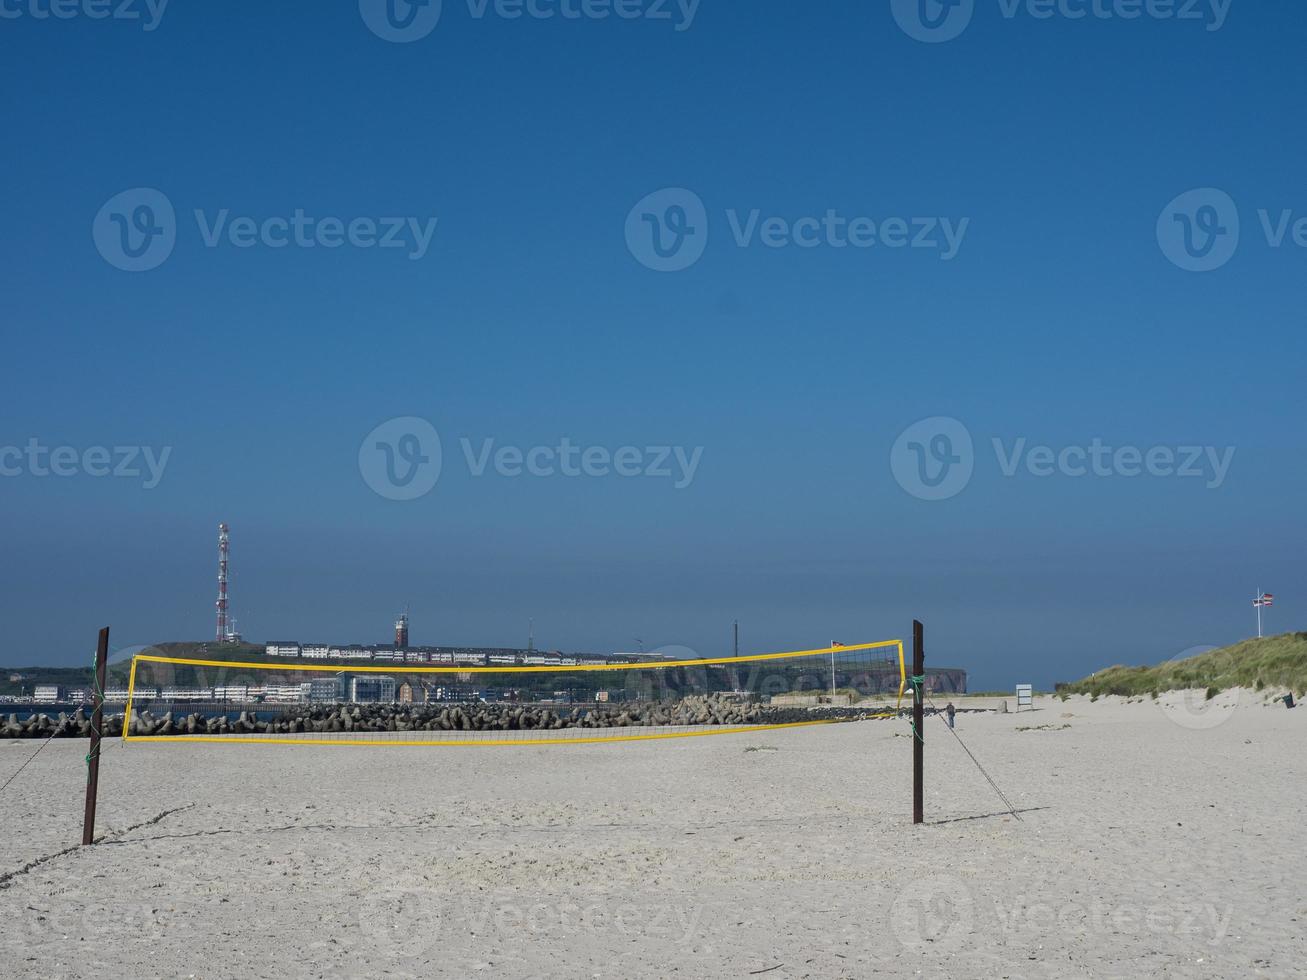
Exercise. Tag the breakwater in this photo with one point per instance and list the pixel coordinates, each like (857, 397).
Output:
(474, 717)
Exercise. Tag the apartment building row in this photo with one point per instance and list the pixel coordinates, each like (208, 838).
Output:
(470, 656)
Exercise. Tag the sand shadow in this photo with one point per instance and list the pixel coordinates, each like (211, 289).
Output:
(986, 816)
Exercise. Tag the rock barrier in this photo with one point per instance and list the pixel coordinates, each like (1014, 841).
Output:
(692, 712)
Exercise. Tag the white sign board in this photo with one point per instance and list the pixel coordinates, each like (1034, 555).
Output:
(1025, 696)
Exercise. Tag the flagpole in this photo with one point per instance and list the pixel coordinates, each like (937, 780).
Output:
(1258, 603)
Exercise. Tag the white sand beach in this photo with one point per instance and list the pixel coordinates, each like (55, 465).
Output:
(1153, 842)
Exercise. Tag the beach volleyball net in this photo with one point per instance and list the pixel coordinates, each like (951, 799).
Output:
(486, 700)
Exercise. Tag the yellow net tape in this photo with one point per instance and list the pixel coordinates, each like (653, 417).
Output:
(676, 701)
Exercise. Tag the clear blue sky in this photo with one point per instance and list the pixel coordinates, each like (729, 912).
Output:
(1060, 319)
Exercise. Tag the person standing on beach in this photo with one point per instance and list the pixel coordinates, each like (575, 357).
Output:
(949, 710)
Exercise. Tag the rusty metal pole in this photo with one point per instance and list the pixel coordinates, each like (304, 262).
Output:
(97, 722)
(918, 722)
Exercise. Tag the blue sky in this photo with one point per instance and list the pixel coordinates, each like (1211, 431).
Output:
(530, 318)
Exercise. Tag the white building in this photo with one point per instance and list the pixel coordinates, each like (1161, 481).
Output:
(315, 651)
(46, 693)
(141, 693)
(321, 690)
(282, 648)
(463, 694)
(188, 694)
(284, 693)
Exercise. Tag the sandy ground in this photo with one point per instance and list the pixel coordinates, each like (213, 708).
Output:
(1155, 840)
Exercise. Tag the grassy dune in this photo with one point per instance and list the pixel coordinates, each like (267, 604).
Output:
(1276, 662)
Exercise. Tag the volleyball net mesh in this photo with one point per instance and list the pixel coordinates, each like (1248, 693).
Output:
(478, 702)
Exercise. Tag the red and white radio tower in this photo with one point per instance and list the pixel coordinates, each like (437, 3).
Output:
(224, 633)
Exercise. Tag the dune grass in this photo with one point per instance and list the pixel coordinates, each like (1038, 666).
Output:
(1276, 662)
